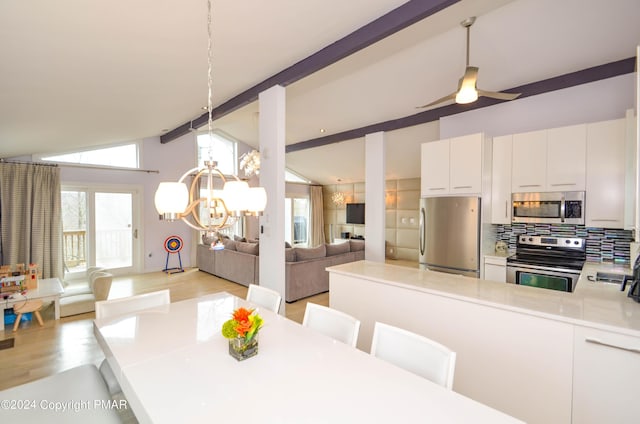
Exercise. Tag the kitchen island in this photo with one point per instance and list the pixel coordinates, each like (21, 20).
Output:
(532, 353)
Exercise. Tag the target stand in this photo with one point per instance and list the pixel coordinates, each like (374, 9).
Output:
(173, 245)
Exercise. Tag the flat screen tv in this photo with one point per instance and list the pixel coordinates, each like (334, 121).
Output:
(355, 213)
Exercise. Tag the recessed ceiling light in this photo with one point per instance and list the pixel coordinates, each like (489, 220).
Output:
(205, 108)
(322, 130)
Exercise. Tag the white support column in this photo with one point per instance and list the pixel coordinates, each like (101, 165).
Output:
(374, 229)
(272, 165)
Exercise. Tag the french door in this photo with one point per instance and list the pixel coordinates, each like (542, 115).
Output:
(100, 228)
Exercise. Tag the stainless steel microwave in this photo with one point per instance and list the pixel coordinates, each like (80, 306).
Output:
(548, 208)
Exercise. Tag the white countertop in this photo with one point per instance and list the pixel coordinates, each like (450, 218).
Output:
(593, 304)
(173, 366)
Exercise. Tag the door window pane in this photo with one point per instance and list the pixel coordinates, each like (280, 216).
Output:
(74, 227)
(114, 230)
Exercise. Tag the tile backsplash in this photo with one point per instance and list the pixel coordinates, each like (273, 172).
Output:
(603, 244)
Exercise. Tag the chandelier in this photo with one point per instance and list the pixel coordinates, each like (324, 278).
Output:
(174, 201)
(338, 198)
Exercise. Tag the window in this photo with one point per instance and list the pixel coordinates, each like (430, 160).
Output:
(122, 156)
(292, 177)
(296, 225)
(221, 149)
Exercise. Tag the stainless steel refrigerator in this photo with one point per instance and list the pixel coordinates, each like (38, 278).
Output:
(450, 235)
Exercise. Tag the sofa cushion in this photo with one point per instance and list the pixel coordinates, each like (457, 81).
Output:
(303, 254)
(289, 254)
(356, 245)
(338, 248)
(250, 248)
(229, 244)
(71, 289)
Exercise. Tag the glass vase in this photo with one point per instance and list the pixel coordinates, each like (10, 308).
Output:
(241, 349)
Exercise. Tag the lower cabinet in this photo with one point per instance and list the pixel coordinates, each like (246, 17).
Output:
(495, 268)
(606, 377)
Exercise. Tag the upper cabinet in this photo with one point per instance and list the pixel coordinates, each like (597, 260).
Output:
(452, 166)
(501, 180)
(529, 166)
(566, 158)
(435, 168)
(549, 160)
(606, 176)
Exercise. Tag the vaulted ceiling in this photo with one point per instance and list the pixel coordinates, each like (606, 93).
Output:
(77, 73)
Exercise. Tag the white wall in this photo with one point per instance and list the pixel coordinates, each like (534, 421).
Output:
(592, 102)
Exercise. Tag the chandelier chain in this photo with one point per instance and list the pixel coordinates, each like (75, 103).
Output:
(210, 79)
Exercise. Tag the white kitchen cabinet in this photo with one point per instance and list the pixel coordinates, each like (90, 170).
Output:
(606, 377)
(529, 166)
(566, 152)
(465, 164)
(495, 268)
(501, 180)
(452, 166)
(606, 170)
(435, 168)
(549, 160)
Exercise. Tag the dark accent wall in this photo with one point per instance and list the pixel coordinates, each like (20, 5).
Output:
(603, 244)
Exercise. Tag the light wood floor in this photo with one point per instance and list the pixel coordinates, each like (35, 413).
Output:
(60, 345)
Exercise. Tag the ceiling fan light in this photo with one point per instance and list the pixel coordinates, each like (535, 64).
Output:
(466, 95)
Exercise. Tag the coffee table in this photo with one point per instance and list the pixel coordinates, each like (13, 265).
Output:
(49, 289)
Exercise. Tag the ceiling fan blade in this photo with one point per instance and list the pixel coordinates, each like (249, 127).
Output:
(440, 100)
(499, 95)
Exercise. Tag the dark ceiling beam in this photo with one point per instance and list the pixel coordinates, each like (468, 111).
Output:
(584, 76)
(398, 19)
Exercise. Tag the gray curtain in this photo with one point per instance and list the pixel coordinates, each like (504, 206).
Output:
(30, 217)
(316, 206)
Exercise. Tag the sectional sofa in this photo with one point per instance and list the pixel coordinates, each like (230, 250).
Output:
(305, 273)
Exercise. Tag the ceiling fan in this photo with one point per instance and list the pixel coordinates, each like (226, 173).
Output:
(467, 91)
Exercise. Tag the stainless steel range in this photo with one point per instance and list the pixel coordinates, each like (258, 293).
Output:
(553, 263)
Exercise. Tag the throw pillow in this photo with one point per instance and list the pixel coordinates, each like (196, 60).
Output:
(229, 244)
(338, 248)
(250, 248)
(238, 238)
(303, 254)
(289, 255)
(356, 245)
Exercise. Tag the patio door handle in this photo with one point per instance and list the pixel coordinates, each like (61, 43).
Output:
(135, 233)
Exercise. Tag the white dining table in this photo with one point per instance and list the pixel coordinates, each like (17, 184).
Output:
(173, 366)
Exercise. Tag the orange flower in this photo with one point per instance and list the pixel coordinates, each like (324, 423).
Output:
(242, 314)
(243, 327)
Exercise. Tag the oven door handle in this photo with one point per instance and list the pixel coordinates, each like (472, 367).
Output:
(543, 268)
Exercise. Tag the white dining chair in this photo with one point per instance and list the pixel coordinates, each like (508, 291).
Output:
(265, 297)
(331, 322)
(414, 353)
(120, 306)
